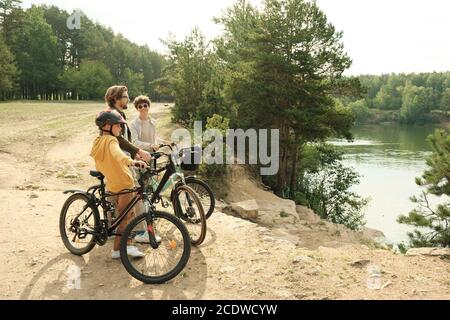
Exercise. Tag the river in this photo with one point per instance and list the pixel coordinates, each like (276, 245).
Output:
(388, 158)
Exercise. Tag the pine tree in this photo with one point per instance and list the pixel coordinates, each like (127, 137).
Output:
(8, 71)
(436, 180)
(6, 19)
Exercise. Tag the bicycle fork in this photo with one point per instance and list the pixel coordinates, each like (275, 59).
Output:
(149, 218)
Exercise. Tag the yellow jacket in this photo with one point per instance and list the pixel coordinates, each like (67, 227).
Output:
(112, 163)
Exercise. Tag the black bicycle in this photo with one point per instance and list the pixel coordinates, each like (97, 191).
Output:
(168, 247)
(202, 189)
(186, 202)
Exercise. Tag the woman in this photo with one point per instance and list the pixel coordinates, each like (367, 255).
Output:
(143, 133)
(143, 128)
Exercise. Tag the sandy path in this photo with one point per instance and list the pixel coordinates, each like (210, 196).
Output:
(239, 259)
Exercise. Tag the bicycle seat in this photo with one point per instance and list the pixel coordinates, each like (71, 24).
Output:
(96, 174)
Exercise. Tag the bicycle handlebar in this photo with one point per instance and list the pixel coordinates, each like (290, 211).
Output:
(171, 145)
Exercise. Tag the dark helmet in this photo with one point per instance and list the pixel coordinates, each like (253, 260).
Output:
(108, 117)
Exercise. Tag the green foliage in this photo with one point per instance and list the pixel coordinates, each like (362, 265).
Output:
(432, 224)
(8, 70)
(50, 55)
(214, 173)
(445, 101)
(89, 82)
(282, 65)
(10, 16)
(36, 51)
(276, 67)
(390, 95)
(416, 104)
(194, 77)
(324, 186)
(408, 98)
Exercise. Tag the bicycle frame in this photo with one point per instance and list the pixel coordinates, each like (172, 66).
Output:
(101, 201)
(171, 175)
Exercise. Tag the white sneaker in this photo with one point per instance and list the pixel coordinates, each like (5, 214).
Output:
(132, 251)
(143, 238)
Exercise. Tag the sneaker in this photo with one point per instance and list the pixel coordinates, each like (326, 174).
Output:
(131, 251)
(143, 238)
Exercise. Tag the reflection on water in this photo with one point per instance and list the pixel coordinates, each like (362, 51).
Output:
(388, 158)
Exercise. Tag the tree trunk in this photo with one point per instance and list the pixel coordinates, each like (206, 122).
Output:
(284, 157)
(294, 167)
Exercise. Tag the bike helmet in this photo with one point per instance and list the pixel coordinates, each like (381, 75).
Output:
(108, 117)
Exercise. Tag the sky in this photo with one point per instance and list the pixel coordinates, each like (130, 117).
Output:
(381, 36)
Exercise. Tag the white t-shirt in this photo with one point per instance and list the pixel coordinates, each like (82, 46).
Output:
(143, 133)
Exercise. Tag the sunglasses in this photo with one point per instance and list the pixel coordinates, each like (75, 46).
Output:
(141, 106)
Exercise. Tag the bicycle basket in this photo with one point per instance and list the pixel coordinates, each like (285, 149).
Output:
(190, 158)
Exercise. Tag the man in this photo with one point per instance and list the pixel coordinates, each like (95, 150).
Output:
(117, 99)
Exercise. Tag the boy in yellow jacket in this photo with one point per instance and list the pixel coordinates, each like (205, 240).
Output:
(114, 165)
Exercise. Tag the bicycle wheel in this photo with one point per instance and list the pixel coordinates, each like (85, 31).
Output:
(163, 263)
(205, 194)
(188, 207)
(73, 230)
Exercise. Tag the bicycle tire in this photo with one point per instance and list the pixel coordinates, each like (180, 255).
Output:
(172, 273)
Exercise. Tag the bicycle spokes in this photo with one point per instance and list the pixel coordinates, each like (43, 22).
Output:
(163, 255)
(79, 221)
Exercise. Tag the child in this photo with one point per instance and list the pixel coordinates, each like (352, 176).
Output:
(114, 165)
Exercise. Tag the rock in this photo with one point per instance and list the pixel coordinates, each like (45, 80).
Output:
(307, 214)
(374, 234)
(302, 259)
(21, 250)
(34, 261)
(33, 196)
(220, 205)
(284, 214)
(284, 294)
(360, 263)
(261, 251)
(227, 269)
(437, 252)
(315, 272)
(244, 209)
(68, 172)
(277, 212)
(71, 175)
(388, 283)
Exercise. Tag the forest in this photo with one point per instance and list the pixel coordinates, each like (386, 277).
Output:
(41, 58)
(414, 98)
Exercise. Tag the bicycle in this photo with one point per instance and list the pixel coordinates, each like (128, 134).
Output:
(186, 202)
(85, 229)
(202, 189)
